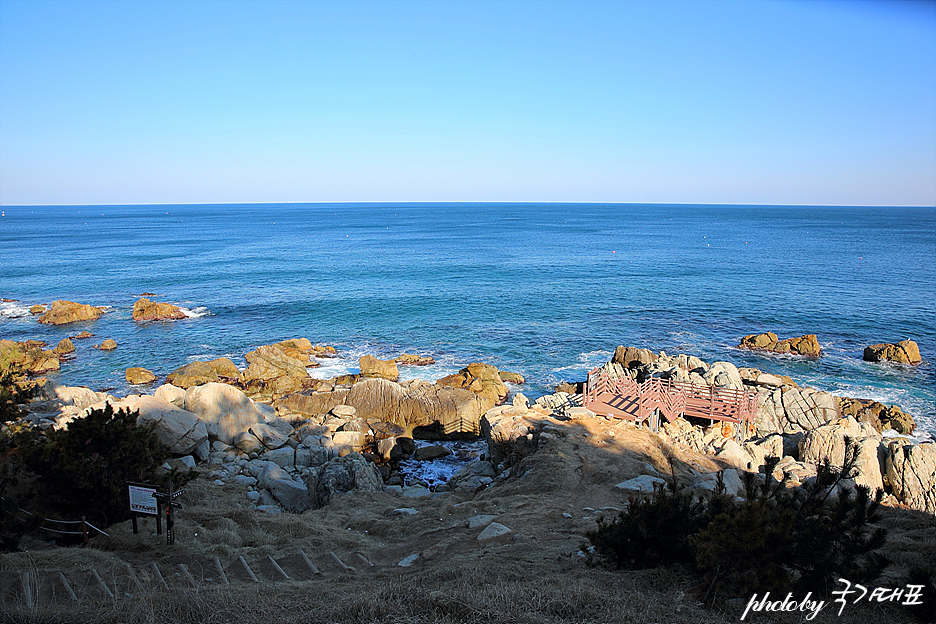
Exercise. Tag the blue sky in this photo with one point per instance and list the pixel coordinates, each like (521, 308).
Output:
(768, 102)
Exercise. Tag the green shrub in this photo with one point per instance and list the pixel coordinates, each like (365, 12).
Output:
(84, 468)
(777, 538)
(652, 531)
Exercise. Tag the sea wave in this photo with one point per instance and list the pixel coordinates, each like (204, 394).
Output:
(347, 362)
(198, 312)
(14, 309)
(587, 361)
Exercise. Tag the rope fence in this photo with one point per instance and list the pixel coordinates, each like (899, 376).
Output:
(83, 523)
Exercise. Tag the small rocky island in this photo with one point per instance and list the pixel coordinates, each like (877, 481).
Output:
(904, 352)
(804, 345)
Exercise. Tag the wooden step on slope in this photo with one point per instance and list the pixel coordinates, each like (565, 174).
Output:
(37, 588)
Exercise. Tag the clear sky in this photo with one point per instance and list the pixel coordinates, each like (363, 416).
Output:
(768, 102)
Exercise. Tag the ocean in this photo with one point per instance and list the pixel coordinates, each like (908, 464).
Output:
(546, 290)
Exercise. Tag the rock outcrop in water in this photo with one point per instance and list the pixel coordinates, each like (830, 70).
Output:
(382, 369)
(64, 347)
(803, 345)
(409, 359)
(279, 369)
(137, 375)
(482, 379)
(146, 310)
(878, 415)
(904, 352)
(29, 356)
(62, 312)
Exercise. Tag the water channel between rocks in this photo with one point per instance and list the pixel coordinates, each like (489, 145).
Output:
(438, 471)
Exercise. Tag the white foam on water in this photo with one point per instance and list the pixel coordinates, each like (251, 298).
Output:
(586, 361)
(439, 471)
(14, 309)
(329, 368)
(915, 406)
(444, 366)
(197, 312)
(347, 362)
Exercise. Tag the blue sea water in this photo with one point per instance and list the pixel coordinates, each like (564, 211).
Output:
(547, 290)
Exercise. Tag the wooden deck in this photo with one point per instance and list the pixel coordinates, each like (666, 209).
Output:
(644, 403)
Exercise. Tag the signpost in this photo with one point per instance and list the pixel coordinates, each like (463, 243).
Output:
(148, 500)
(166, 500)
(143, 501)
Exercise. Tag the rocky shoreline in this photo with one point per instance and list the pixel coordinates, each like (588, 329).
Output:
(296, 442)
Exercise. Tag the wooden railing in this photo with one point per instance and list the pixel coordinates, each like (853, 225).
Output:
(643, 402)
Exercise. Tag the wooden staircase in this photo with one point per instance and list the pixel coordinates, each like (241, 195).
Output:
(644, 403)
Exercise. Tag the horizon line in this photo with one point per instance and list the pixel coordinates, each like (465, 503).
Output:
(655, 203)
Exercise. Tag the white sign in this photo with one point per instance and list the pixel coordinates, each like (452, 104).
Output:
(142, 500)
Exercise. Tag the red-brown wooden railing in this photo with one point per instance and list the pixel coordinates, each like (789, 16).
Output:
(671, 398)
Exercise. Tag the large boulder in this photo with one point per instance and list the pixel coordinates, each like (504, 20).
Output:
(192, 374)
(631, 357)
(171, 394)
(736, 455)
(378, 399)
(137, 376)
(511, 433)
(268, 436)
(78, 397)
(351, 473)
(62, 312)
(911, 473)
(509, 377)
(271, 372)
(761, 449)
(846, 435)
(802, 345)
(225, 409)
(905, 352)
(64, 347)
(292, 495)
(448, 411)
(723, 375)
(418, 404)
(225, 368)
(384, 369)
(482, 379)
(180, 430)
(311, 402)
(146, 310)
(303, 350)
(789, 409)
